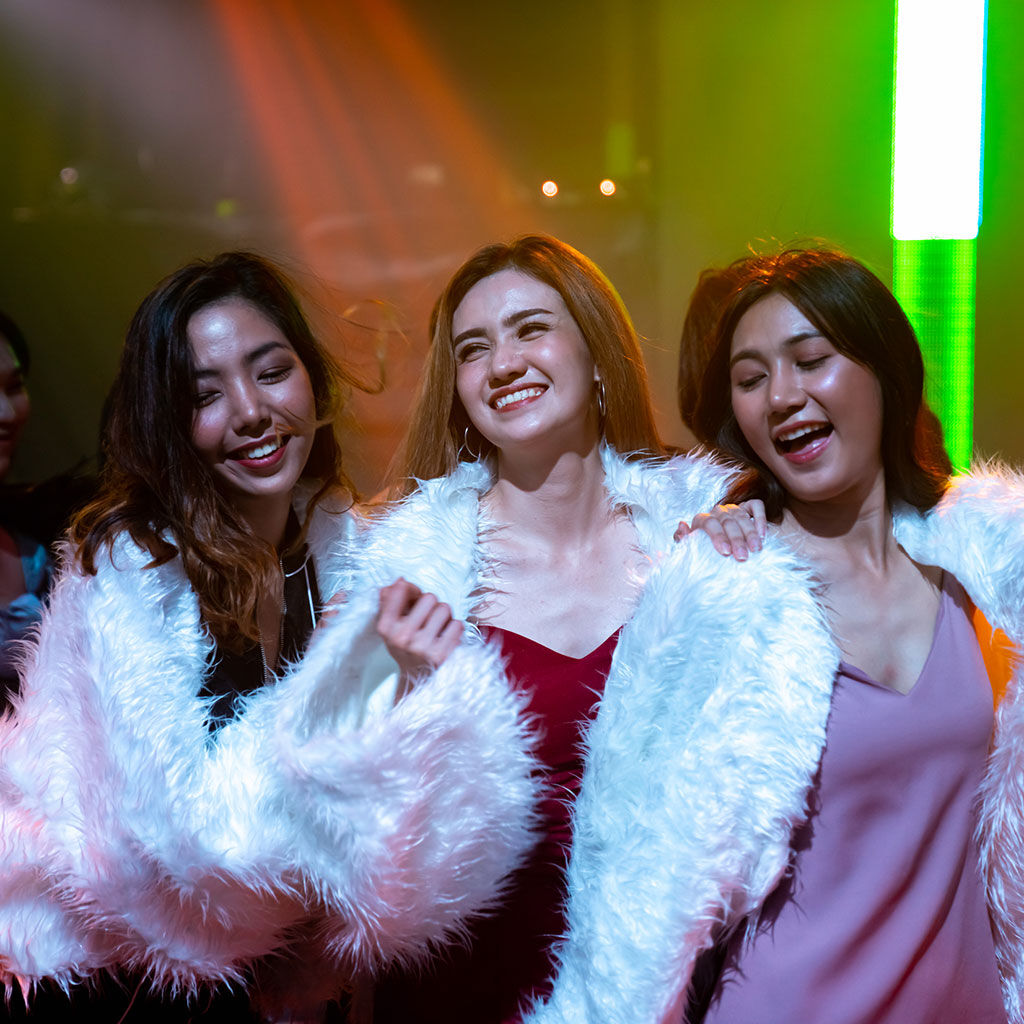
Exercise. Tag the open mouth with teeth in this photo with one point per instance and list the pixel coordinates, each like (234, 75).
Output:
(514, 397)
(258, 452)
(791, 442)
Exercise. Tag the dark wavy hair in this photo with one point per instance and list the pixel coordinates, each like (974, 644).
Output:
(155, 486)
(697, 341)
(861, 317)
(441, 435)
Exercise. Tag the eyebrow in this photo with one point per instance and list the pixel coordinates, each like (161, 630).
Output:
(510, 321)
(252, 357)
(794, 339)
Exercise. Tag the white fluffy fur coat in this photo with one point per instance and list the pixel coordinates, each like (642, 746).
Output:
(712, 724)
(663, 848)
(129, 835)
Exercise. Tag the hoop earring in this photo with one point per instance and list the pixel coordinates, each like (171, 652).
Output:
(464, 447)
(602, 407)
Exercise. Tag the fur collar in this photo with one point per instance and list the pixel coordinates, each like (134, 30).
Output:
(673, 828)
(704, 749)
(977, 533)
(127, 836)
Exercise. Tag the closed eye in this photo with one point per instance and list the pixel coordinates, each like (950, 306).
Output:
(532, 328)
(203, 398)
(812, 364)
(749, 382)
(277, 373)
(469, 350)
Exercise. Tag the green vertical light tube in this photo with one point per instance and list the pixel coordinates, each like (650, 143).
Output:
(936, 196)
(934, 279)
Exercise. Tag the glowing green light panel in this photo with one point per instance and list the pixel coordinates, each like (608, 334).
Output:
(936, 195)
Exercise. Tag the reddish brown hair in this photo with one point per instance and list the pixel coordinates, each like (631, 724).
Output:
(441, 435)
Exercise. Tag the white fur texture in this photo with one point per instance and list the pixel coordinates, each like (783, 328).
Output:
(128, 835)
(706, 743)
(977, 533)
(664, 847)
(408, 821)
(698, 767)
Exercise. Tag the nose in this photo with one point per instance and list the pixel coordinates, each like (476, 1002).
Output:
(249, 414)
(13, 407)
(784, 391)
(507, 361)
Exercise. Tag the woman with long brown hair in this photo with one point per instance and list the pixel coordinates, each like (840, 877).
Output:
(539, 504)
(184, 791)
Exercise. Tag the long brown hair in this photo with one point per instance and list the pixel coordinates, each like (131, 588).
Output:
(440, 434)
(154, 484)
(861, 317)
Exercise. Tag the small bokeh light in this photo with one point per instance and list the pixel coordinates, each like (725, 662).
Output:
(607, 187)
(550, 189)
(226, 208)
(69, 175)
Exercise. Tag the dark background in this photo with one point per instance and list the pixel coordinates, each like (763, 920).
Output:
(372, 144)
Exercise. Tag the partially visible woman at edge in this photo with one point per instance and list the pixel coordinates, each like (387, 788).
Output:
(540, 505)
(25, 564)
(184, 793)
(904, 903)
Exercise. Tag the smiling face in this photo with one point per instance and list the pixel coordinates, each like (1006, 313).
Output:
(524, 373)
(811, 414)
(255, 414)
(14, 405)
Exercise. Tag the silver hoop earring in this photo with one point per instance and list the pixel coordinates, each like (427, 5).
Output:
(602, 407)
(464, 447)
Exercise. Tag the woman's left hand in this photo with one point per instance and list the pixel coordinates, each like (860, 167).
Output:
(734, 529)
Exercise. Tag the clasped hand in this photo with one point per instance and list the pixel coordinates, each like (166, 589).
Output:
(417, 628)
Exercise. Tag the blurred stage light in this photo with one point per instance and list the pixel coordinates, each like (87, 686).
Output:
(69, 175)
(607, 187)
(550, 189)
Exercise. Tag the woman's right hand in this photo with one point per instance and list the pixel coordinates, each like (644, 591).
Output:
(417, 628)
(734, 529)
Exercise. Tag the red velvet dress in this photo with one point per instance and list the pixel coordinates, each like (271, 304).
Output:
(508, 958)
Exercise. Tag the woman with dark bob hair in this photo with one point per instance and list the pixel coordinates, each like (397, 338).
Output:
(865, 323)
(540, 505)
(185, 792)
(903, 899)
(697, 338)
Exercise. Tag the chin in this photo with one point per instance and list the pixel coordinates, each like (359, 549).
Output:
(269, 491)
